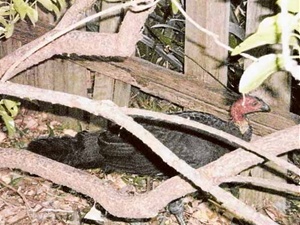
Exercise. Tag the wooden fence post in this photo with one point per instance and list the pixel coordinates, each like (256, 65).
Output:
(214, 16)
(104, 86)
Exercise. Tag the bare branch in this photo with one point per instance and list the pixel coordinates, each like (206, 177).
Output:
(105, 109)
(221, 134)
(82, 43)
(146, 205)
(266, 183)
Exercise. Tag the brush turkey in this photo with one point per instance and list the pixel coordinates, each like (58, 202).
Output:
(116, 149)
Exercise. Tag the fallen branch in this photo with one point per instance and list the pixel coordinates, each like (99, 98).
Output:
(221, 134)
(105, 109)
(79, 42)
(24, 91)
(265, 183)
(146, 205)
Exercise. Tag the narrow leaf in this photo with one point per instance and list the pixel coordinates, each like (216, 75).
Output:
(21, 7)
(33, 15)
(8, 120)
(174, 8)
(9, 124)
(62, 4)
(9, 30)
(259, 71)
(268, 32)
(48, 4)
(11, 106)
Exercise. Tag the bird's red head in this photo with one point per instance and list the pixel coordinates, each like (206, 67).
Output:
(246, 105)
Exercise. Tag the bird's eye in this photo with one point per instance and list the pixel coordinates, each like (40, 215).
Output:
(254, 103)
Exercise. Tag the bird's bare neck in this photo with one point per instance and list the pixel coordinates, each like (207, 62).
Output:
(240, 120)
(243, 125)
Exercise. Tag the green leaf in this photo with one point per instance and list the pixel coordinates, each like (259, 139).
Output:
(11, 106)
(259, 71)
(48, 4)
(21, 7)
(8, 110)
(6, 10)
(9, 30)
(293, 5)
(56, 11)
(51, 131)
(33, 15)
(3, 21)
(9, 124)
(174, 8)
(63, 4)
(268, 32)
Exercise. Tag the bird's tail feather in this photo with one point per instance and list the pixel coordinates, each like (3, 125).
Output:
(70, 150)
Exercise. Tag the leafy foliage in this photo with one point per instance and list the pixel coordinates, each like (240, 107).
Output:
(13, 11)
(270, 33)
(163, 38)
(8, 110)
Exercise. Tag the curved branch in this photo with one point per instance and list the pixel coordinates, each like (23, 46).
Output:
(221, 134)
(265, 183)
(75, 42)
(105, 109)
(146, 205)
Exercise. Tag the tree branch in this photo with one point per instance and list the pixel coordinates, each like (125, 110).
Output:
(105, 109)
(221, 134)
(81, 43)
(146, 205)
(265, 183)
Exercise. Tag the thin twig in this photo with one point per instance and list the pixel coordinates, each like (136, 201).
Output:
(208, 32)
(29, 209)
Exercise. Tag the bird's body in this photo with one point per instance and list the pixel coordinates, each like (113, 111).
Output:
(116, 149)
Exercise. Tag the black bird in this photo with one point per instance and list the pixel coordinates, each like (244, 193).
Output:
(116, 149)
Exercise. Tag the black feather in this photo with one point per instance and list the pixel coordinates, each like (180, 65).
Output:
(118, 150)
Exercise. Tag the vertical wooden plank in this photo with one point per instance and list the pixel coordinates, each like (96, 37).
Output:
(214, 16)
(26, 77)
(106, 87)
(103, 87)
(110, 24)
(70, 78)
(256, 12)
(121, 93)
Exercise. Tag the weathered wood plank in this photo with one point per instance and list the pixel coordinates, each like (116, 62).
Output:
(106, 87)
(214, 16)
(187, 91)
(120, 91)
